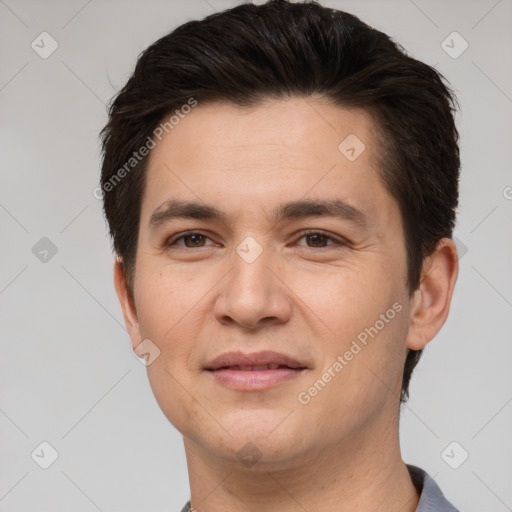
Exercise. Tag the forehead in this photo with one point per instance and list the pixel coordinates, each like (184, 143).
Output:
(242, 157)
(308, 129)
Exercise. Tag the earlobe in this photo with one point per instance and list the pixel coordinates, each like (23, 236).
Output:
(127, 303)
(431, 301)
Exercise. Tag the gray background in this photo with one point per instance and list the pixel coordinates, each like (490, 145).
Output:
(67, 373)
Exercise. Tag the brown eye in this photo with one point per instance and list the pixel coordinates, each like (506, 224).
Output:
(317, 239)
(196, 240)
(190, 240)
(320, 240)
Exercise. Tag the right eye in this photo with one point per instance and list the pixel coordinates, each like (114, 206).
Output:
(189, 239)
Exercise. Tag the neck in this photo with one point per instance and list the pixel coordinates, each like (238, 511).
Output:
(365, 473)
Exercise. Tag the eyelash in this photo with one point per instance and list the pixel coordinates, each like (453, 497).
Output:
(168, 245)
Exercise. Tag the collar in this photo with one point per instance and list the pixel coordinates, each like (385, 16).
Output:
(431, 497)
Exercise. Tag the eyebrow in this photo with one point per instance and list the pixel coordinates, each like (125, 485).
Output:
(176, 209)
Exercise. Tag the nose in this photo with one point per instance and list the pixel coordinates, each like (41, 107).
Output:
(252, 295)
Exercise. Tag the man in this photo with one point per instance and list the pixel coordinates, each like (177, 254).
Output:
(280, 183)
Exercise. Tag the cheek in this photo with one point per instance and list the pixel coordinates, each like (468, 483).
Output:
(366, 316)
(348, 298)
(163, 296)
(168, 317)
(174, 308)
(361, 375)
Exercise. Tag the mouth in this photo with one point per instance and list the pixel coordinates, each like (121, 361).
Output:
(256, 367)
(254, 372)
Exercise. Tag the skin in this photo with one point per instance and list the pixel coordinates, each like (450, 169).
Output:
(307, 297)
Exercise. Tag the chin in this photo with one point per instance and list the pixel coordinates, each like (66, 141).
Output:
(259, 438)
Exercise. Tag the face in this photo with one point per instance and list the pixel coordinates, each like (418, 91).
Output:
(278, 302)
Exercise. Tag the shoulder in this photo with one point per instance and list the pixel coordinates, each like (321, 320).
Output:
(186, 508)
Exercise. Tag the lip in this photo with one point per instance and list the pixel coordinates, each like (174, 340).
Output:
(231, 370)
(252, 359)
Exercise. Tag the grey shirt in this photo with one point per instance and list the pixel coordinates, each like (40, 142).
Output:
(431, 497)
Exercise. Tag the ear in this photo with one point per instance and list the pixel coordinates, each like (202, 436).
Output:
(127, 303)
(431, 301)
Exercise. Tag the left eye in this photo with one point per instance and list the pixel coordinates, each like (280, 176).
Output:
(320, 240)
